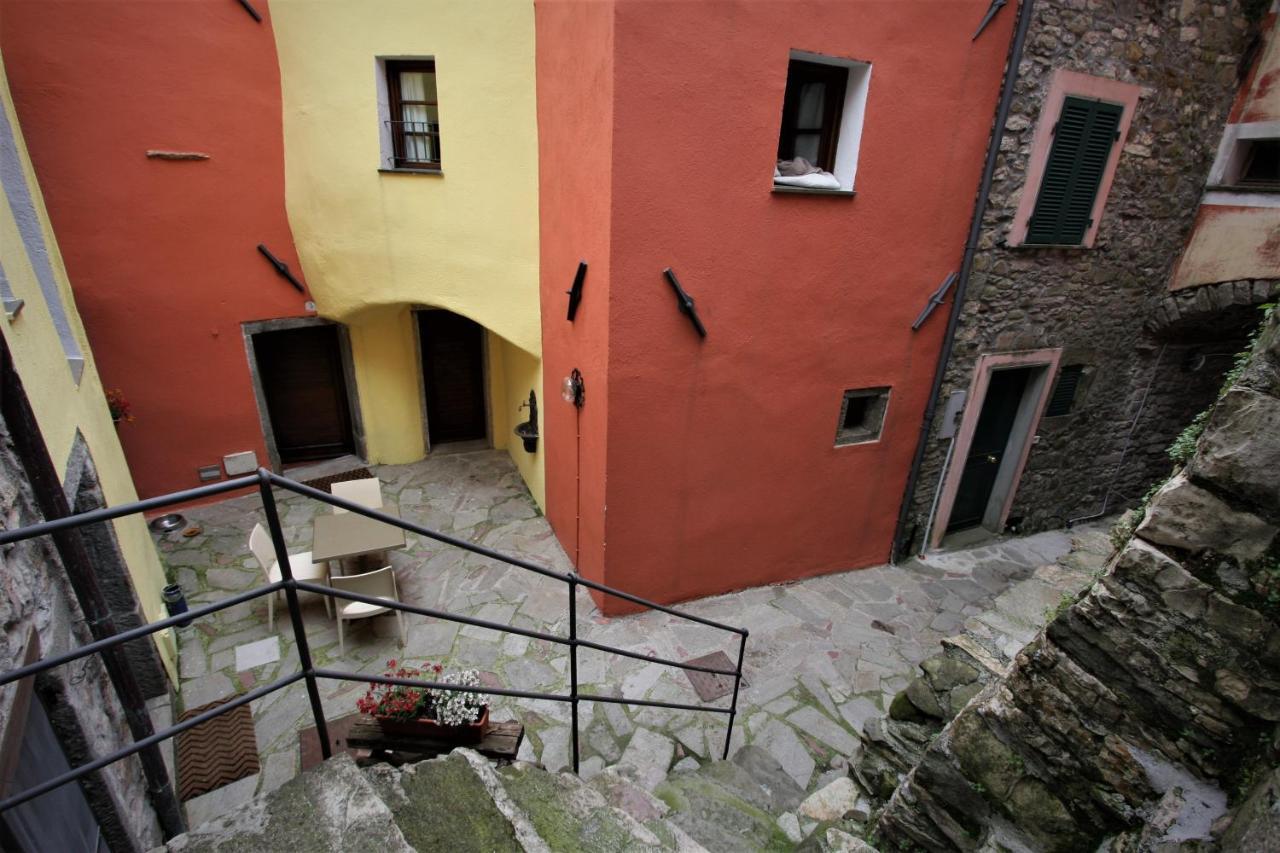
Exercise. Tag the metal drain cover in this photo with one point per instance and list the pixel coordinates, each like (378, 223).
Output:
(710, 685)
(167, 523)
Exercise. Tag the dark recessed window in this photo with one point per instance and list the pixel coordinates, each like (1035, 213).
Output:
(1083, 139)
(1064, 391)
(811, 112)
(1261, 166)
(861, 415)
(414, 122)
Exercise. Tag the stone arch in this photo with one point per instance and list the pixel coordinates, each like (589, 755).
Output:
(1224, 309)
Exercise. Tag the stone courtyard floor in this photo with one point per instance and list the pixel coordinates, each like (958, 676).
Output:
(825, 655)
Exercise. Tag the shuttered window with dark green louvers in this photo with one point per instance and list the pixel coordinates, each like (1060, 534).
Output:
(1082, 142)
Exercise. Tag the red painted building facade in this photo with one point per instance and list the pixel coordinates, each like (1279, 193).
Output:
(162, 252)
(699, 465)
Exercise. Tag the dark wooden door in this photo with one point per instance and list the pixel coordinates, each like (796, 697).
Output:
(990, 440)
(453, 370)
(302, 379)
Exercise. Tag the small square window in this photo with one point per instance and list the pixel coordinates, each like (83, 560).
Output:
(862, 415)
(1259, 164)
(410, 114)
(822, 114)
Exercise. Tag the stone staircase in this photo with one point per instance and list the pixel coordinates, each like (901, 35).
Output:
(461, 802)
(983, 651)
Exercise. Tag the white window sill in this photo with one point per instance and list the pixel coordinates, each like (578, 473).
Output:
(783, 188)
(402, 171)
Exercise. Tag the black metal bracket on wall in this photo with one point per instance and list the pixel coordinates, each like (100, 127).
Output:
(934, 301)
(685, 302)
(996, 6)
(281, 267)
(575, 292)
(248, 7)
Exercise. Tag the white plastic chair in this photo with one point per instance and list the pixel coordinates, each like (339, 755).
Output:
(380, 583)
(366, 492)
(300, 565)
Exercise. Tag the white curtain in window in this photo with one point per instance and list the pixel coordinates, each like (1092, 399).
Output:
(809, 115)
(418, 118)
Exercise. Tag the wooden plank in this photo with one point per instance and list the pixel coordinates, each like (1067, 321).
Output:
(501, 741)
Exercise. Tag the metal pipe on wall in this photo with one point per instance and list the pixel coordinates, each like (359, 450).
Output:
(1025, 11)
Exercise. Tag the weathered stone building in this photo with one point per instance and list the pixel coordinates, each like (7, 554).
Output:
(1148, 709)
(1070, 375)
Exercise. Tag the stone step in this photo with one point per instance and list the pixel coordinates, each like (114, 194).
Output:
(569, 815)
(454, 802)
(623, 792)
(733, 805)
(331, 807)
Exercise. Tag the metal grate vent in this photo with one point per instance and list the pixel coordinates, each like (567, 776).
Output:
(1064, 393)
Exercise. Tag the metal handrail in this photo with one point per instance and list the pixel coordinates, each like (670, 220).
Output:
(264, 480)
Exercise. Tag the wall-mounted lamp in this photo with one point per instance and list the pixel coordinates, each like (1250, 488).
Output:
(572, 390)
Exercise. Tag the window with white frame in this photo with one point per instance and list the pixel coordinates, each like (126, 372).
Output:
(822, 116)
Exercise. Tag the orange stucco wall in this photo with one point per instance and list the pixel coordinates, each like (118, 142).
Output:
(575, 116)
(161, 254)
(720, 470)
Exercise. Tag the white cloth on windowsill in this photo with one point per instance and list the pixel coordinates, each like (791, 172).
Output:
(814, 180)
(801, 173)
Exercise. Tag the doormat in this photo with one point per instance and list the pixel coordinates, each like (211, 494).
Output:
(710, 685)
(217, 752)
(323, 483)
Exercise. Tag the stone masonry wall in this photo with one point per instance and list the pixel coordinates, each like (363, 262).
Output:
(1093, 303)
(83, 707)
(1151, 696)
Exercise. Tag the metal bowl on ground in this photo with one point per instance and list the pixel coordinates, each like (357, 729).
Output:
(167, 523)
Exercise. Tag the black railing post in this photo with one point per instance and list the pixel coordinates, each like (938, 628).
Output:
(573, 663)
(295, 611)
(737, 682)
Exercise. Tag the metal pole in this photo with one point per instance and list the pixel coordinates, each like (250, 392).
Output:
(573, 664)
(295, 612)
(737, 681)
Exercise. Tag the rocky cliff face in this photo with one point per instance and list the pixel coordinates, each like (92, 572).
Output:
(1155, 693)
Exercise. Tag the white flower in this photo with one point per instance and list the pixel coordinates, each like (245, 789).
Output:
(456, 707)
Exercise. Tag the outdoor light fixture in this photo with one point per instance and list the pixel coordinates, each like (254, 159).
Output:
(572, 389)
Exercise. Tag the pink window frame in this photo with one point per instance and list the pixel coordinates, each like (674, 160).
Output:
(1066, 83)
(1046, 358)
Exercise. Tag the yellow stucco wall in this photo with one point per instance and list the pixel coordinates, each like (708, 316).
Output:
(373, 244)
(61, 405)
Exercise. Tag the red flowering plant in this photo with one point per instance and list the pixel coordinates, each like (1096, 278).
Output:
(400, 702)
(120, 408)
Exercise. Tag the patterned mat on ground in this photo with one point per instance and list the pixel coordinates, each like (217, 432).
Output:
(324, 483)
(216, 752)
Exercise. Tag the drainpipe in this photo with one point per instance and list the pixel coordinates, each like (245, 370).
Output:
(1025, 11)
(52, 503)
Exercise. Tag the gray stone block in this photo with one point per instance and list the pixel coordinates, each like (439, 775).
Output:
(1183, 515)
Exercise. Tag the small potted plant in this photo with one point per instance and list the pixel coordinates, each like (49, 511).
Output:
(121, 410)
(454, 715)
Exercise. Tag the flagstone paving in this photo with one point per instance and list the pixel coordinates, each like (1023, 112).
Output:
(825, 655)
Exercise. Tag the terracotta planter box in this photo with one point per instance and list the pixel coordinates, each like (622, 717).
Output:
(427, 727)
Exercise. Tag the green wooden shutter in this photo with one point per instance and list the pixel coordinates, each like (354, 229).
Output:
(1064, 391)
(1082, 142)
